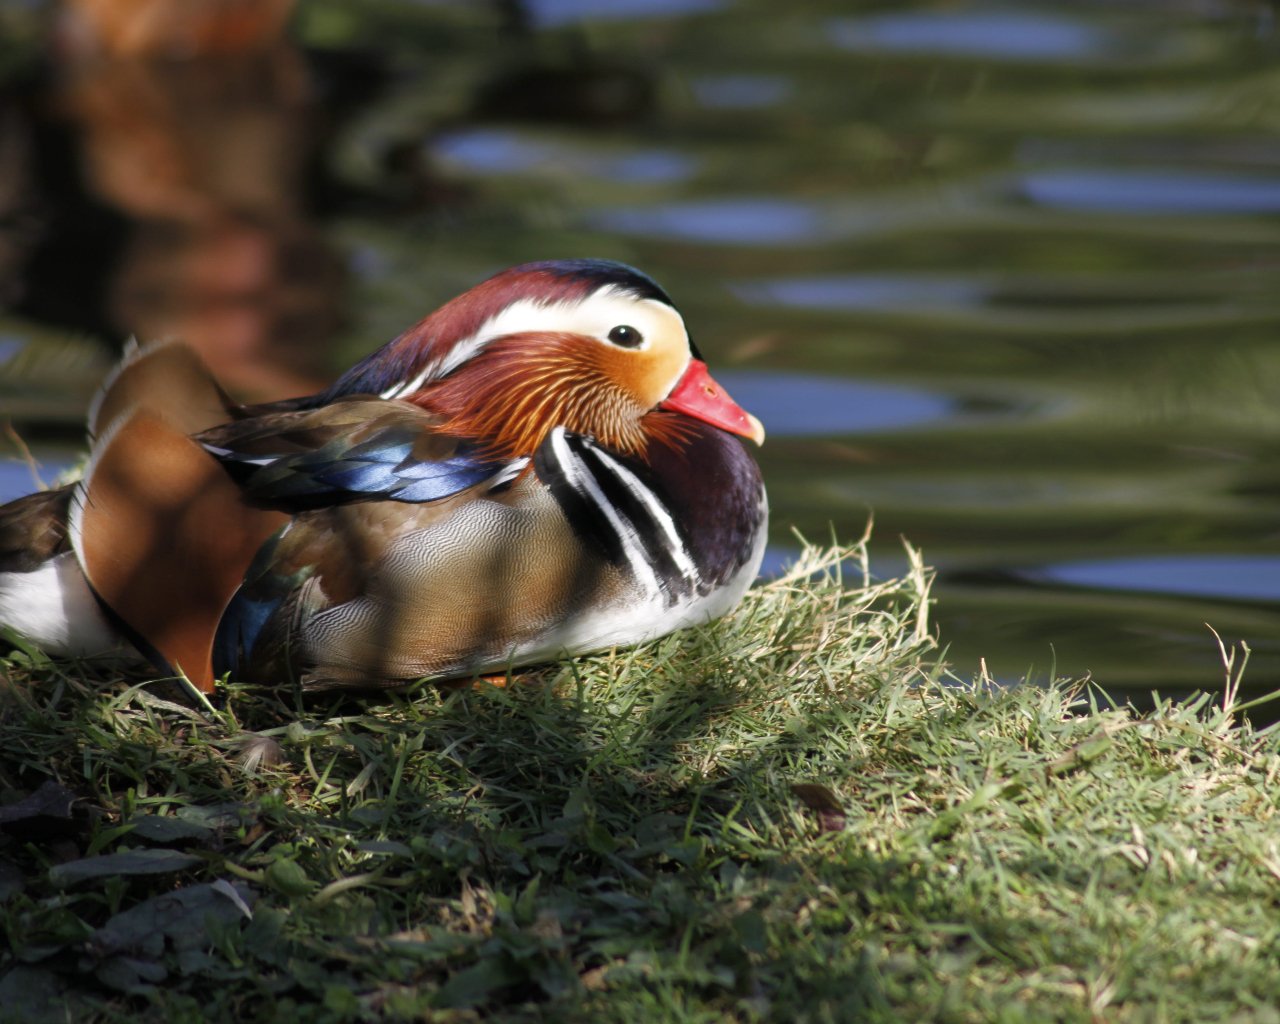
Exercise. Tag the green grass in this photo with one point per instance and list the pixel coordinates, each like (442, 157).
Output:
(621, 838)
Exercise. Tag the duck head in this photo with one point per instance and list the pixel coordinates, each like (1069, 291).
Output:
(593, 346)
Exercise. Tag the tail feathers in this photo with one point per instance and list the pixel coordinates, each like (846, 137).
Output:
(157, 525)
(167, 379)
(34, 529)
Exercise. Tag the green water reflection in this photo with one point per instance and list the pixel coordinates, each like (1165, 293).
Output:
(1005, 278)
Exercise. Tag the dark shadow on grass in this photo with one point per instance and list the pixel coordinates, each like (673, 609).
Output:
(550, 841)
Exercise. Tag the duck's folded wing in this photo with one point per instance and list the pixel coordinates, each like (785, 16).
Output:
(33, 529)
(319, 464)
(352, 450)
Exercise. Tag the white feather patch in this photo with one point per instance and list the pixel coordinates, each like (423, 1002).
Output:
(657, 511)
(53, 607)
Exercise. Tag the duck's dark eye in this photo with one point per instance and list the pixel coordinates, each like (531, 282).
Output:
(626, 336)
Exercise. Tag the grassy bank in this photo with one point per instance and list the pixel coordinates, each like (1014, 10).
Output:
(791, 815)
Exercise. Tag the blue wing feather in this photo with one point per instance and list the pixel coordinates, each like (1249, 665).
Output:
(357, 477)
(348, 479)
(262, 594)
(305, 460)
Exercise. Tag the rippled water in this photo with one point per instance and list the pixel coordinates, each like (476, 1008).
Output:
(1005, 277)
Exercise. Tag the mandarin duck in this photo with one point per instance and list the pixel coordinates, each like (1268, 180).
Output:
(541, 467)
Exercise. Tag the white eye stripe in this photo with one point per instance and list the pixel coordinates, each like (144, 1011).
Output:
(595, 316)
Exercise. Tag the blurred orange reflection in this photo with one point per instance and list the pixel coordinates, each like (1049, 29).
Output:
(193, 121)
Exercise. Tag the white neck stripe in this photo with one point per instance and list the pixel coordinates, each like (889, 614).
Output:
(656, 509)
(582, 481)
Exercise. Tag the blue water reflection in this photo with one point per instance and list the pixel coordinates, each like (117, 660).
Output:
(880, 292)
(743, 221)
(1001, 35)
(1151, 191)
(807, 405)
(1024, 202)
(1010, 302)
(777, 560)
(16, 479)
(550, 13)
(492, 151)
(1239, 576)
(740, 92)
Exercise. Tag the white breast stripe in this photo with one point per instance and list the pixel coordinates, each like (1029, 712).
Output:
(508, 472)
(646, 497)
(582, 481)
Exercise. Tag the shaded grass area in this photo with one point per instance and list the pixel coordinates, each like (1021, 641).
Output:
(789, 815)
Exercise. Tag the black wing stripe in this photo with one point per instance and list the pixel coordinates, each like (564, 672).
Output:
(611, 503)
